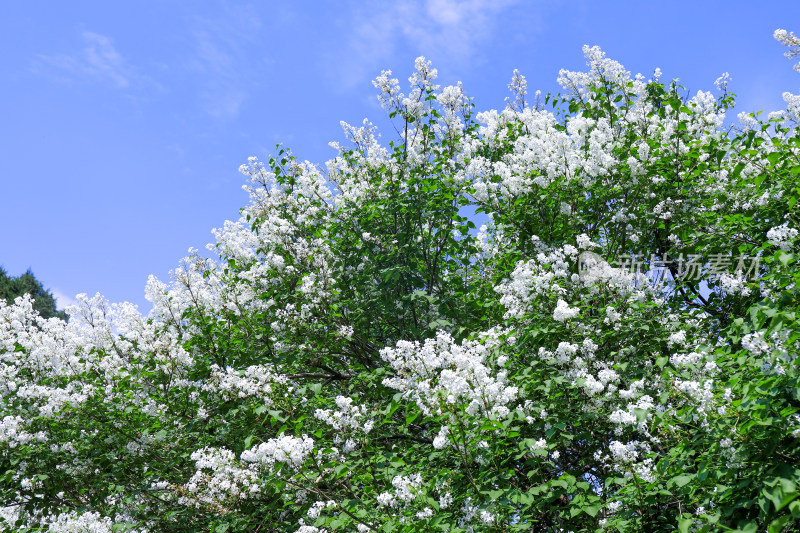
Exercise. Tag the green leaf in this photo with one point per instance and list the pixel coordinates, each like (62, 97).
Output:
(748, 526)
(680, 481)
(490, 425)
(593, 509)
(684, 524)
(776, 526)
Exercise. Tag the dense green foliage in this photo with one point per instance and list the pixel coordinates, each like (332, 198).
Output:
(363, 358)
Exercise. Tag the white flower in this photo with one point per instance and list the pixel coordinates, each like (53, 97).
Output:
(622, 417)
(564, 312)
(441, 370)
(425, 513)
(72, 522)
(679, 337)
(755, 343)
(538, 445)
(782, 236)
(386, 499)
(441, 440)
(445, 500)
(584, 242)
(284, 449)
(722, 82)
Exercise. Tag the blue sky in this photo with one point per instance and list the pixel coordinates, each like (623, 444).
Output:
(123, 124)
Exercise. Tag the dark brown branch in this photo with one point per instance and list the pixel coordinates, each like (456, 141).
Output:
(422, 440)
(304, 375)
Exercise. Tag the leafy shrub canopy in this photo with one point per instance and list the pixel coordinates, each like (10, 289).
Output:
(615, 348)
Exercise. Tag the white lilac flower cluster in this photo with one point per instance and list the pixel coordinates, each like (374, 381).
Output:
(536, 282)
(78, 523)
(304, 528)
(442, 439)
(792, 41)
(317, 508)
(255, 380)
(67, 363)
(792, 104)
(279, 243)
(219, 478)
(441, 373)
(548, 275)
(795, 422)
(701, 394)
(755, 343)
(782, 236)
(734, 283)
(406, 489)
(564, 312)
(287, 449)
(537, 277)
(347, 418)
(471, 511)
(12, 433)
(87, 522)
(629, 459)
(774, 347)
(586, 149)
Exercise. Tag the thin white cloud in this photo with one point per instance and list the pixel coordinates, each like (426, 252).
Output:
(220, 57)
(223, 100)
(454, 27)
(98, 61)
(62, 300)
(451, 30)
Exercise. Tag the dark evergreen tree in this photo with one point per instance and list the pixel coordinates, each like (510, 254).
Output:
(43, 300)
